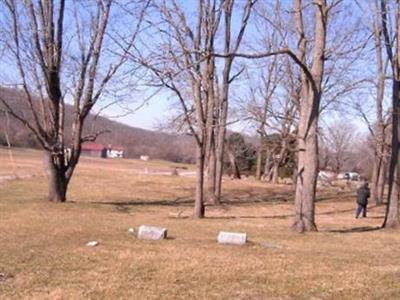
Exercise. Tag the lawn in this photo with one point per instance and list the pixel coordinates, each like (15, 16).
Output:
(43, 253)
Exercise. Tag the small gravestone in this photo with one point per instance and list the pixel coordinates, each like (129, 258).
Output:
(152, 233)
(92, 244)
(131, 231)
(232, 238)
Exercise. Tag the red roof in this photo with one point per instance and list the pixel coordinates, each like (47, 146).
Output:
(116, 147)
(93, 147)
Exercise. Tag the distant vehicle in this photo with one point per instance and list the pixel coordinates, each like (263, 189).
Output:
(353, 176)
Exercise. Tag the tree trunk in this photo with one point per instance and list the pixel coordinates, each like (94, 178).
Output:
(211, 177)
(381, 182)
(259, 163)
(375, 178)
(392, 209)
(275, 173)
(307, 137)
(58, 183)
(267, 166)
(220, 150)
(379, 173)
(199, 208)
(307, 171)
(234, 165)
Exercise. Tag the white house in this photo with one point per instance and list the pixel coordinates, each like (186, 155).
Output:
(116, 151)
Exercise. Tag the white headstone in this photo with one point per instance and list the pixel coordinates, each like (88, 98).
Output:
(232, 238)
(152, 233)
(131, 231)
(92, 244)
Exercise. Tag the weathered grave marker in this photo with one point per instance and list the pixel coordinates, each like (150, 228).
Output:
(152, 233)
(92, 244)
(232, 238)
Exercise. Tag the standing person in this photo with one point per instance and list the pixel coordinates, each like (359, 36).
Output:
(363, 194)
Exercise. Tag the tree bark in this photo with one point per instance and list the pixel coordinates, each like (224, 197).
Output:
(259, 162)
(199, 208)
(392, 208)
(379, 171)
(307, 171)
(211, 176)
(307, 168)
(375, 179)
(275, 173)
(58, 182)
(234, 165)
(381, 182)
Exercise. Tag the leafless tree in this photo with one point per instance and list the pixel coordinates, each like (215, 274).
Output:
(175, 62)
(181, 62)
(63, 52)
(231, 46)
(390, 18)
(339, 137)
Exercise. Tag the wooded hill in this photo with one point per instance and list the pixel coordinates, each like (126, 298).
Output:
(136, 141)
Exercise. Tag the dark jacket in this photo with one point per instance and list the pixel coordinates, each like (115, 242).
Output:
(363, 194)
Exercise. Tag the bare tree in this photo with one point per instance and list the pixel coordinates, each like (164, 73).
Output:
(258, 107)
(58, 49)
(338, 138)
(177, 64)
(380, 146)
(392, 46)
(231, 46)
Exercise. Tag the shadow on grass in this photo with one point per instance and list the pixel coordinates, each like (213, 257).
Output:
(356, 229)
(140, 202)
(250, 217)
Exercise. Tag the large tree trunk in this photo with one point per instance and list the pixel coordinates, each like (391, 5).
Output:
(307, 138)
(392, 209)
(58, 182)
(307, 173)
(199, 208)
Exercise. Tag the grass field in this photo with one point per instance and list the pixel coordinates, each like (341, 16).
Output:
(43, 253)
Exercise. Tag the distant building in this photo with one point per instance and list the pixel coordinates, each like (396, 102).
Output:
(144, 157)
(116, 151)
(95, 150)
(100, 150)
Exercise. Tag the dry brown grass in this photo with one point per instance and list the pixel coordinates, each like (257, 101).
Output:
(43, 252)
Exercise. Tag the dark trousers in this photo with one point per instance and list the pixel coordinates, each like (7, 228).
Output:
(361, 208)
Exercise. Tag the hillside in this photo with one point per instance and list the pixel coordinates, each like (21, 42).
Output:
(136, 141)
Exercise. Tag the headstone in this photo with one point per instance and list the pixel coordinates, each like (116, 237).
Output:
(232, 238)
(131, 231)
(152, 233)
(92, 244)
